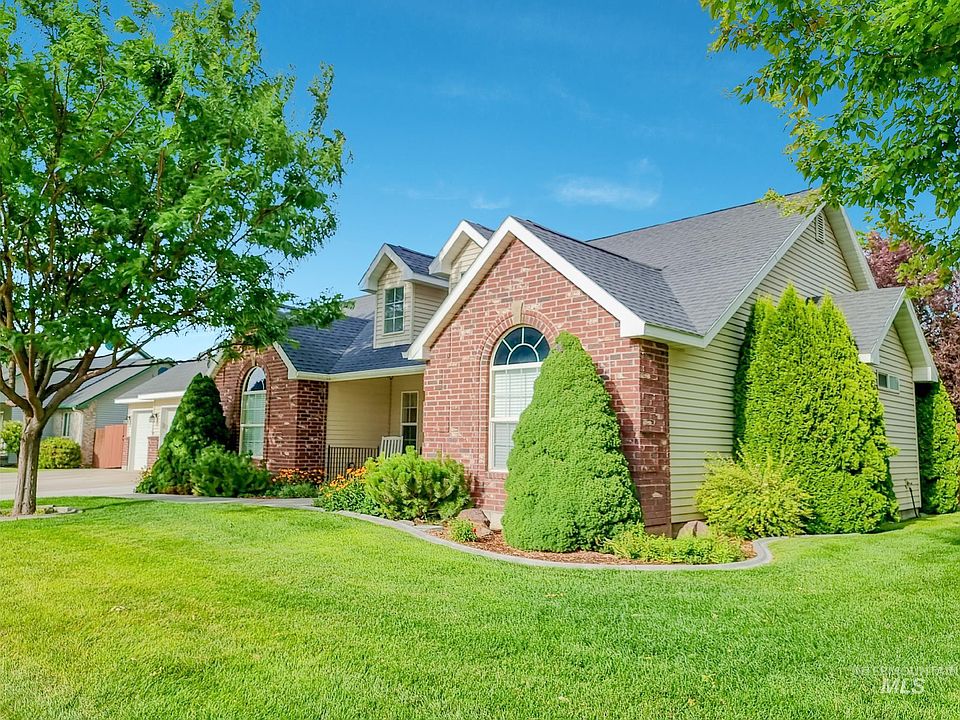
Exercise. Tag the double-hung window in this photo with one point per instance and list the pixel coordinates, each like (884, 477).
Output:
(516, 365)
(409, 418)
(253, 413)
(393, 310)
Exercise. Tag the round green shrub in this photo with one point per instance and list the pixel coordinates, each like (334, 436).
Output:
(407, 486)
(217, 472)
(59, 453)
(939, 450)
(805, 396)
(198, 423)
(10, 436)
(568, 484)
(750, 499)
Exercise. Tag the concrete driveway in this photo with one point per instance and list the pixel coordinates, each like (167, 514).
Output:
(59, 483)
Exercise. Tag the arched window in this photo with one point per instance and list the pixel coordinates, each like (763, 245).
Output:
(253, 407)
(516, 364)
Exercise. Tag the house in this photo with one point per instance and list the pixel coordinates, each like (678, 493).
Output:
(150, 407)
(443, 351)
(91, 417)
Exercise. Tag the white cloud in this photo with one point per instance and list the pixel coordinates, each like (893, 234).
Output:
(583, 190)
(441, 192)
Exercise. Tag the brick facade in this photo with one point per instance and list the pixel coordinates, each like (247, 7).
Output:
(295, 433)
(522, 289)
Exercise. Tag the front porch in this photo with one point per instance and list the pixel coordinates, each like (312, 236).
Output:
(361, 413)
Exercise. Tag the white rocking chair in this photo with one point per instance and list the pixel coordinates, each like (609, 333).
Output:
(391, 445)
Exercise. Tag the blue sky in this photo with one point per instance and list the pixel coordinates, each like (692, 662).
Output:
(590, 118)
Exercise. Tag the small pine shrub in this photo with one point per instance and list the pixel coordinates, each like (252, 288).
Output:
(751, 499)
(10, 436)
(408, 486)
(198, 423)
(568, 484)
(635, 544)
(461, 531)
(58, 453)
(939, 450)
(217, 472)
(347, 492)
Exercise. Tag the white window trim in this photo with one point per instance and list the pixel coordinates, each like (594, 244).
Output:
(244, 394)
(403, 309)
(491, 419)
(415, 425)
(887, 387)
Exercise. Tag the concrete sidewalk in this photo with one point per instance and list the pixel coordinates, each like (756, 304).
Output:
(85, 481)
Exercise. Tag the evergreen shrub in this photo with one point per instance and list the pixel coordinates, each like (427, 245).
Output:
(568, 484)
(939, 450)
(408, 486)
(59, 453)
(217, 472)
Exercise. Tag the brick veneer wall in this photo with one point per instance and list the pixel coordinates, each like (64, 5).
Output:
(295, 433)
(522, 289)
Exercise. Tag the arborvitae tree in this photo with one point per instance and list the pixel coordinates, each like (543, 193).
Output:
(198, 423)
(809, 400)
(939, 450)
(569, 485)
(740, 379)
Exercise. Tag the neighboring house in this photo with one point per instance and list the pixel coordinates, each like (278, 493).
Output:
(444, 351)
(92, 411)
(150, 408)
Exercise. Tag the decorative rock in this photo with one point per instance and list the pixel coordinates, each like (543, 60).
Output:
(475, 515)
(482, 531)
(694, 528)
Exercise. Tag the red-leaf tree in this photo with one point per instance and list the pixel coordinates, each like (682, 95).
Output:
(936, 296)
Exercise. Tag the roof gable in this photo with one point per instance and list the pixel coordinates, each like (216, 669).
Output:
(465, 233)
(414, 266)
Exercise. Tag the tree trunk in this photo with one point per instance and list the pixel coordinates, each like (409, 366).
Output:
(25, 498)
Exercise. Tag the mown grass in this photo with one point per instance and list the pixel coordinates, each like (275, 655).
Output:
(138, 609)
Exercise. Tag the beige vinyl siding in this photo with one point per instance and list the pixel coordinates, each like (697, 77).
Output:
(358, 412)
(389, 279)
(401, 384)
(900, 418)
(426, 300)
(464, 260)
(701, 380)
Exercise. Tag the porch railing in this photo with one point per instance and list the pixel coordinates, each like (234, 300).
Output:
(339, 459)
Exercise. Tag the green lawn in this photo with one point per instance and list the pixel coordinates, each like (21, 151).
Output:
(140, 609)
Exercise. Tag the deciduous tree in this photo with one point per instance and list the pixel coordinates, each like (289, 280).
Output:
(872, 96)
(152, 179)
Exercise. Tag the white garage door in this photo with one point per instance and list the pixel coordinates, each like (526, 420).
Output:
(139, 433)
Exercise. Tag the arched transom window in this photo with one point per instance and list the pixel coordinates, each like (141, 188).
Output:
(516, 364)
(253, 410)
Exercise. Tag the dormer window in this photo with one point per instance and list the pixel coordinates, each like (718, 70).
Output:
(393, 310)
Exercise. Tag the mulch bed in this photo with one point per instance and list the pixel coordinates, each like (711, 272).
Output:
(495, 543)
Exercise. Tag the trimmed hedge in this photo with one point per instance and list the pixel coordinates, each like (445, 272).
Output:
(939, 450)
(806, 397)
(569, 485)
(198, 423)
(59, 453)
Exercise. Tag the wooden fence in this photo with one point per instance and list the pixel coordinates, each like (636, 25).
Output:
(339, 459)
(108, 446)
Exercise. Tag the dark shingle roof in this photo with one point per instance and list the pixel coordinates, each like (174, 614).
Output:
(707, 260)
(417, 261)
(869, 313)
(345, 346)
(173, 379)
(640, 287)
(482, 229)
